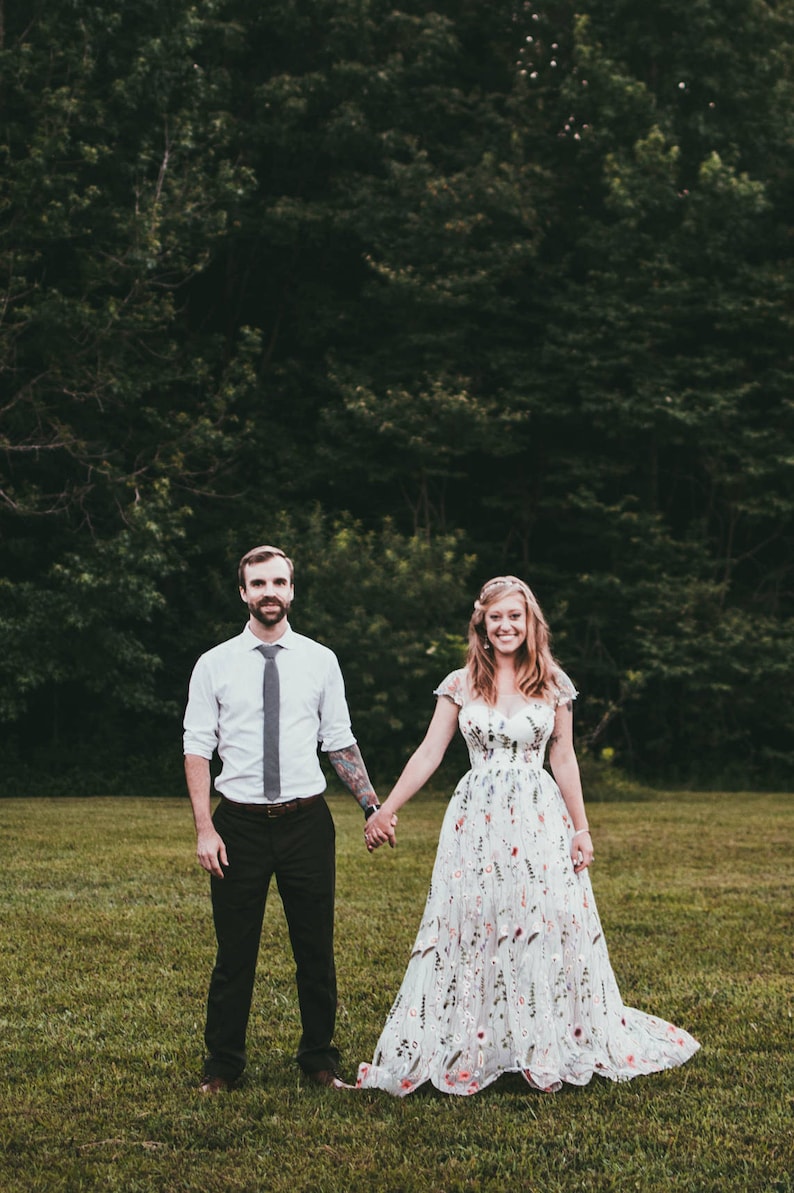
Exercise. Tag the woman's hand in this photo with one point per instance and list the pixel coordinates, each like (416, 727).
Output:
(379, 828)
(581, 850)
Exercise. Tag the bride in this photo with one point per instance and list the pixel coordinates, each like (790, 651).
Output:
(510, 970)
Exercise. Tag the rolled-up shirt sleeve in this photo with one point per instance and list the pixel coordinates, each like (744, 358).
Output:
(335, 731)
(201, 714)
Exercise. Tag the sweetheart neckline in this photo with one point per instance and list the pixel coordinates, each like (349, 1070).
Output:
(511, 716)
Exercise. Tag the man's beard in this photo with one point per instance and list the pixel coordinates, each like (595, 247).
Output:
(269, 613)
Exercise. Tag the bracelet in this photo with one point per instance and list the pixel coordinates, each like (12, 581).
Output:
(579, 833)
(370, 810)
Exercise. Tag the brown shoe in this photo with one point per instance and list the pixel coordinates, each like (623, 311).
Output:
(214, 1085)
(327, 1077)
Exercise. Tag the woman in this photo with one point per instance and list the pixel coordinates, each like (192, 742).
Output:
(510, 971)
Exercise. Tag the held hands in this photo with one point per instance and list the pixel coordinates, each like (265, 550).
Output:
(581, 850)
(379, 828)
(211, 852)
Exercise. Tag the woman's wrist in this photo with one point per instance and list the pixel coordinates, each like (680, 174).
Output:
(580, 832)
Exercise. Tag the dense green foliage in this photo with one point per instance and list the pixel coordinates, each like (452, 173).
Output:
(107, 946)
(423, 294)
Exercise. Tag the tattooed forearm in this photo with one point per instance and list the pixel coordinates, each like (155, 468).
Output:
(349, 765)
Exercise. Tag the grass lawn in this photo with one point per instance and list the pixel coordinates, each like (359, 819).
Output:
(106, 947)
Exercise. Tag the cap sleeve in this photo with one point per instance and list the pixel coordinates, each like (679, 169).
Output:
(564, 689)
(453, 686)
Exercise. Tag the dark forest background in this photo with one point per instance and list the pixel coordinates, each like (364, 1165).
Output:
(422, 294)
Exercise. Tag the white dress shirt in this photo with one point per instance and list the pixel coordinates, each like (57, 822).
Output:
(224, 713)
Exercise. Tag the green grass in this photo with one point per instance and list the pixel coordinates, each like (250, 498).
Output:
(106, 947)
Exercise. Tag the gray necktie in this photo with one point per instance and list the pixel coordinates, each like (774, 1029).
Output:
(271, 701)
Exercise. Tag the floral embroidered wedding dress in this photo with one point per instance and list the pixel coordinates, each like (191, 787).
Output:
(510, 970)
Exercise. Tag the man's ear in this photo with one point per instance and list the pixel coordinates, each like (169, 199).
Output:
(242, 595)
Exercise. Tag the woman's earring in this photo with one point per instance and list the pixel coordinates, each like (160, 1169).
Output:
(486, 644)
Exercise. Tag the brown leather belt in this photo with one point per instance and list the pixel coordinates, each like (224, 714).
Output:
(277, 809)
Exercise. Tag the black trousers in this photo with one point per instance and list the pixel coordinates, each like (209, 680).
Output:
(299, 849)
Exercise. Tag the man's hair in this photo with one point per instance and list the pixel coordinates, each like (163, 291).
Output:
(261, 555)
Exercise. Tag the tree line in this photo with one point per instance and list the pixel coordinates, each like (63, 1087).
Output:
(423, 295)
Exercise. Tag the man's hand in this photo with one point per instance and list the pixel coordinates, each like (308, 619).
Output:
(211, 852)
(379, 828)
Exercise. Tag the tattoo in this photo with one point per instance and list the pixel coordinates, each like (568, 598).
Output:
(569, 706)
(555, 737)
(349, 765)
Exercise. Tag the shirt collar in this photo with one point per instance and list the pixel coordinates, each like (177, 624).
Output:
(251, 642)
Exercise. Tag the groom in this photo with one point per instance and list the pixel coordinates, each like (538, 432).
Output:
(264, 700)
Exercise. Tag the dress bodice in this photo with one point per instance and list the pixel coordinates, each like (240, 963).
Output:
(492, 737)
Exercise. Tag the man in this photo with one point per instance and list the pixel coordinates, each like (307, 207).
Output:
(265, 716)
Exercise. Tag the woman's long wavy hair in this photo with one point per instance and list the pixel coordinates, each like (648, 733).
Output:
(535, 665)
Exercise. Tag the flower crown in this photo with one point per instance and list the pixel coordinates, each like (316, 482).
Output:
(493, 586)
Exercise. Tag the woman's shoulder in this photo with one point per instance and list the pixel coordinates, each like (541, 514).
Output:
(563, 688)
(454, 686)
